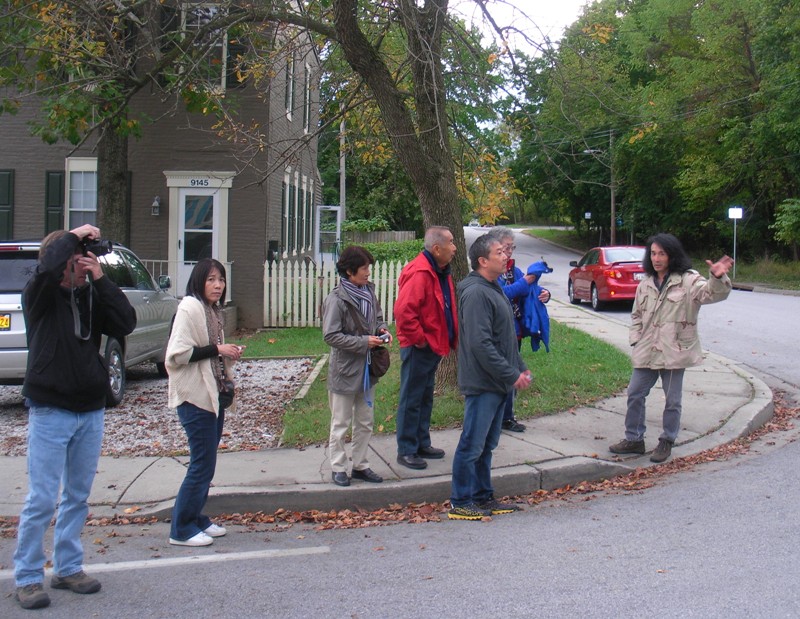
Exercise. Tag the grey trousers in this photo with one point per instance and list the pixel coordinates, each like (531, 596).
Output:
(642, 381)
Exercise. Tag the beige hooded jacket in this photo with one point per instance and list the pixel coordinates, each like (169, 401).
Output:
(663, 329)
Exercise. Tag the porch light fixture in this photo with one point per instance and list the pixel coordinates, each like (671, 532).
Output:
(155, 208)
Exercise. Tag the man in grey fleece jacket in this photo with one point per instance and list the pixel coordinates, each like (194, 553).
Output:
(489, 367)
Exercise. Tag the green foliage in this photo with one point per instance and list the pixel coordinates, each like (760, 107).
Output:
(403, 251)
(377, 223)
(787, 222)
(377, 184)
(701, 101)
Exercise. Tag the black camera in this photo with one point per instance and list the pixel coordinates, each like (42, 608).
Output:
(98, 247)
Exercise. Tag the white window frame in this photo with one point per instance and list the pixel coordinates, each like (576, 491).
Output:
(289, 94)
(308, 212)
(78, 165)
(221, 44)
(307, 99)
(287, 182)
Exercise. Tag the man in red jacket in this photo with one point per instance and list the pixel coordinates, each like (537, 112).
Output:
(427, 329)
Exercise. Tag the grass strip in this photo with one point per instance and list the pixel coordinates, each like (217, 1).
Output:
(579, 370)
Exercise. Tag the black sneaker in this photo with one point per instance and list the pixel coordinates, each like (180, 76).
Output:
(662, 451)
(512, 425)
(80, 582)
(627, 447)
(431, 453)
(340, 478)
(367, 475)
(412, 461)
(468, 512)
(496, 507)
(32, 596)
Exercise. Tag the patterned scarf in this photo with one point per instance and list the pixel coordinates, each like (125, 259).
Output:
(508, 278)
(362, 295)
(216, 327)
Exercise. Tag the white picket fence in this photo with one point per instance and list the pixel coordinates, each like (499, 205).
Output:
(294, 291)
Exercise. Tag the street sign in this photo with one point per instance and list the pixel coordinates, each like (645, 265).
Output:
(735, 213)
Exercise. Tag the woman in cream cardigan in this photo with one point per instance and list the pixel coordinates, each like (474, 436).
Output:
(198, 361)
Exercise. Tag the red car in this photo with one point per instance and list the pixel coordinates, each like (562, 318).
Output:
(606, 274)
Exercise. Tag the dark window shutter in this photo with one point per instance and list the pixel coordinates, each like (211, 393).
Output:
(170, 22)
(6, 204)
(54, 201)
(236, 52)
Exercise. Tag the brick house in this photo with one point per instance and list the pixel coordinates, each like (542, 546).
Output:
(190, 195)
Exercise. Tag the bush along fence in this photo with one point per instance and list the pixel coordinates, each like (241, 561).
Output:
(294, 291)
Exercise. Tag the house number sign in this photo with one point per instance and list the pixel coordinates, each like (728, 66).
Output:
(198, 182)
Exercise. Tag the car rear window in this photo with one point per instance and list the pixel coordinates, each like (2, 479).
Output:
(16, 269)
(624, 255)
(116, 269)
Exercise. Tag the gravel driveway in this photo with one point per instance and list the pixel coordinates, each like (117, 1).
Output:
(143, 425)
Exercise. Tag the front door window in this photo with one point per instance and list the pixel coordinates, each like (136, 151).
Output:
(198, 237)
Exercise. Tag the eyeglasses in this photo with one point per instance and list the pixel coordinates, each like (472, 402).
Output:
(509, 247)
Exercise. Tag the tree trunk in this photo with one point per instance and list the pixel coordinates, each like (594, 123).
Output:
(113, 209)
(423, 150)
(447, 374)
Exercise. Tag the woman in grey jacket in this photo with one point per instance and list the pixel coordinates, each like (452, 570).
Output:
(664, 336)
(350, 316)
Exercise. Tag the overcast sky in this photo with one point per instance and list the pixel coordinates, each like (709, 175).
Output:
(540, 19)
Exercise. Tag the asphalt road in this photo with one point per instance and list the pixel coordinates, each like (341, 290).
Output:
(717, 541)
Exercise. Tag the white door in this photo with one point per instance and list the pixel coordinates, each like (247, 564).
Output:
(197, 235)
(329, 226)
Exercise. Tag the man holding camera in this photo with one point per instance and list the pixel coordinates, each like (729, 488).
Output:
(68, 305)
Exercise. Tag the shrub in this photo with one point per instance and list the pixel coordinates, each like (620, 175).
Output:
(396, 250)
(377, 223)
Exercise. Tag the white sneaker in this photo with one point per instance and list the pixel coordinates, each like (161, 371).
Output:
(214, 530)
(200, 539)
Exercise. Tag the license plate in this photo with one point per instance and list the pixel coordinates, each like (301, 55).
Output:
(5, 322)
(639, 276)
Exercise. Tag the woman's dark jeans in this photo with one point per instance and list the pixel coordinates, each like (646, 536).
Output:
(204, 431)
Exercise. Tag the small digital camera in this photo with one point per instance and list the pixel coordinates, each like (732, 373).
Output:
(98, 247)
(385, 337)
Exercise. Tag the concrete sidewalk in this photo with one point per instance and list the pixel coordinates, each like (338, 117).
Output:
(721, 403)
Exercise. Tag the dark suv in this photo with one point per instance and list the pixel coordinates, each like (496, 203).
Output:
(155, 311)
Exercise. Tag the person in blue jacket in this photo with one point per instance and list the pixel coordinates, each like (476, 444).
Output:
(516, 286)
(535, 320)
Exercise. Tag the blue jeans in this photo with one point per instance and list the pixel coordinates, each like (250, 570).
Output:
(642, 380)
(204, 431)
(472, 462)
(63, 450)
(417, 379)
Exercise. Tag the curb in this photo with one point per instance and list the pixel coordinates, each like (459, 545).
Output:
(514, 480)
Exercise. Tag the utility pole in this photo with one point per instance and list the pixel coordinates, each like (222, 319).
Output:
(342, 163)
(613, 229)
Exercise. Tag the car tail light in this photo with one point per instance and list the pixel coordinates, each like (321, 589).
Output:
(612, 274)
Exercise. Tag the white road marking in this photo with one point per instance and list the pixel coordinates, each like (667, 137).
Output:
(99, 568)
